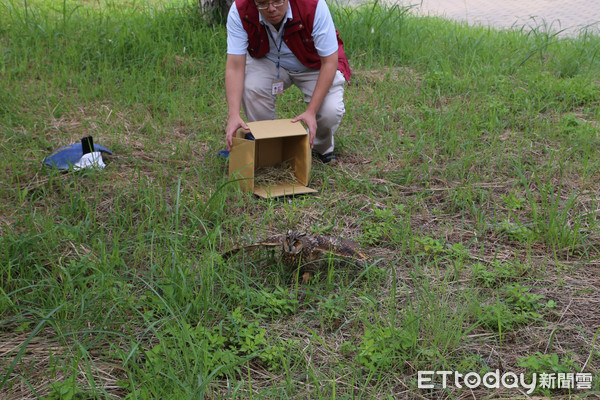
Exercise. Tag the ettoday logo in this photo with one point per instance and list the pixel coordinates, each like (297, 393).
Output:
(508, 380)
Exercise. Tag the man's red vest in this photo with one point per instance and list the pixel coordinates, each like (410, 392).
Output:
(297, 35)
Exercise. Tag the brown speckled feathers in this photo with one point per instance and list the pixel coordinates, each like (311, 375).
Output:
(299, 249)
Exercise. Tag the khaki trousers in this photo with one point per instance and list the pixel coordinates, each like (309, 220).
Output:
(258, 101)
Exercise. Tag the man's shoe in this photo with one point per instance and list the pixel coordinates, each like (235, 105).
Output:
(327, 158)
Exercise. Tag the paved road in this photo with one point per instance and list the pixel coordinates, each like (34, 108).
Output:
(569, 16)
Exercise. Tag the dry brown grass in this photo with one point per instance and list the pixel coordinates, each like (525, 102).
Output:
(30, 378)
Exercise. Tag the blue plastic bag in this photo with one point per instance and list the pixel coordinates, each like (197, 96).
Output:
(66, 156)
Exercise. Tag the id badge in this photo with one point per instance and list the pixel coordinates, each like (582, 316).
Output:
(277, 87)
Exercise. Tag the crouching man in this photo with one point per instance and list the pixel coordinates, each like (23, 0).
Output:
(289, 42)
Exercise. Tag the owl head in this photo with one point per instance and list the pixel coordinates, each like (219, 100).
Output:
(293, 242)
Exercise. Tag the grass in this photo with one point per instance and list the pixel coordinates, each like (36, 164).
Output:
(468, 171)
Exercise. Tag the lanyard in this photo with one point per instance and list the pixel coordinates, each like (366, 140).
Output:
(277, 47)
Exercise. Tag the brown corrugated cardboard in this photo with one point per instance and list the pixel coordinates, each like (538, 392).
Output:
(274, 142)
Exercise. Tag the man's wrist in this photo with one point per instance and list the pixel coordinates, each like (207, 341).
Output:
(311, 110)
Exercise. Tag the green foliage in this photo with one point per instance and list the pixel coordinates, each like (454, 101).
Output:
(552, 218)
(431, 246)
(382, 226)
(500, 317)
(458, 251)
(219, 350)
(497, 273)
(515, 307)
(548, 363)
(516, 231)
(272, 304)
(383, 348)
(373, 28)
(513, 202)
(66, 390)
(331, 310)
(438, 80)
(522, 300)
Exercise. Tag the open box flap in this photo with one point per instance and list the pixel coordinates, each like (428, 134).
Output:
(241, 163)
(276, 128)
(286, 189)
(301, 158)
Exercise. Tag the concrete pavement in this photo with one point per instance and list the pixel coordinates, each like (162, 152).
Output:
(568, 16)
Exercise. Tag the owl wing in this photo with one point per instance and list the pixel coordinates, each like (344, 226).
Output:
(272, 241)
(339, 247)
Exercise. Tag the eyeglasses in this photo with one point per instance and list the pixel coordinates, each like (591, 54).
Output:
(265, 5)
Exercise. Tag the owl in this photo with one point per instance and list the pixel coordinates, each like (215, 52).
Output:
(303, 252)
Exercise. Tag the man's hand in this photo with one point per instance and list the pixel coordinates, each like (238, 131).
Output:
(232, 126)
(310, 119)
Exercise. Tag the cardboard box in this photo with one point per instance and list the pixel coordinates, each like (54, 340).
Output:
(274, 142)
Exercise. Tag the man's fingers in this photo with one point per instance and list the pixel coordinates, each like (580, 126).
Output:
(231, 129)
(311, 130)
